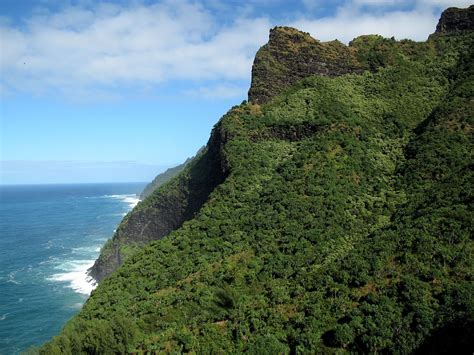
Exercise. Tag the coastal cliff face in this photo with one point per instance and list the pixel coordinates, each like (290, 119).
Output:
(162, 178)
(166, 176)
(331, 213)
(456, 21)
(167, 208)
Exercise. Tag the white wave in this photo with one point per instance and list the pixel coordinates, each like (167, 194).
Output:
(11, 278)
(86, 250)
(121, 214)
(130, 199)
(3, 317)
(75, 275)
(49, 244)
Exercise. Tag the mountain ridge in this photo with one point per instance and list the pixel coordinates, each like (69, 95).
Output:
(330, 213)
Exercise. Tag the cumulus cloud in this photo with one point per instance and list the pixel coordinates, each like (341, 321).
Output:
(398, 18)
(108, 46)
(92, 51)
(416, 25)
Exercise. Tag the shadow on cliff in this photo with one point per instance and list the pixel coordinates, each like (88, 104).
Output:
(168, 207)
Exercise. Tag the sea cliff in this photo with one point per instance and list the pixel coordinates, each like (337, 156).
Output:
(332, 212)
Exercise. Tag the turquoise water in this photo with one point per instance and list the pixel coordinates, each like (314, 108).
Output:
(49, 236)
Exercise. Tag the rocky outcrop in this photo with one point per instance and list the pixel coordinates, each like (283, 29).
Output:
(291, 55)
(168, 208)
(456, 21)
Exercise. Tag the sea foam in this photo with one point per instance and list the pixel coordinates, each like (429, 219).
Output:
(49, 236)
(73, 272)
(75, 275)
(130, 199)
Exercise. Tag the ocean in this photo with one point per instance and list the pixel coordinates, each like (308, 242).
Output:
(49, 236)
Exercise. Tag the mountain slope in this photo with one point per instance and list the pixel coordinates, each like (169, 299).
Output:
(334, 216)
(165, 210)
(162, 178)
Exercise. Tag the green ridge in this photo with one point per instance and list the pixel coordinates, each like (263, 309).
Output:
(340, 221)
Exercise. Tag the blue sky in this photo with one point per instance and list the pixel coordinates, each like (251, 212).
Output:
(102, 91)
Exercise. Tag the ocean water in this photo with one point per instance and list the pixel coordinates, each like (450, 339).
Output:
(49, 236)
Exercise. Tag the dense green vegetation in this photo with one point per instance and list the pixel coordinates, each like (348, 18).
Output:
(164, 177)
(344, 223)
(163, 211)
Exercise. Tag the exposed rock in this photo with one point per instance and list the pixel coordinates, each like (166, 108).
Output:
(455, 21)
(291, 55)
(166, 210)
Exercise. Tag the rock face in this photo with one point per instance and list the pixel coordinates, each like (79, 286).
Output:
(291, 55)
(455, 21)
(167, 209)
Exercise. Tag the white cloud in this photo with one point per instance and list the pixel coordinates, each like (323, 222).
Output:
(347, 25)
(417, 3)
(446, 3)
(313, 4)
(77, 49)
(390, 19)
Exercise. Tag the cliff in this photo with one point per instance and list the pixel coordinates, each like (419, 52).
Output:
(456, 21)
(332, 213)
(165, 209)
(162, 178)
(166, 176)
(291, 55)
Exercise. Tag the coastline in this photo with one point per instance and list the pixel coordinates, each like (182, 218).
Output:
(75, 273)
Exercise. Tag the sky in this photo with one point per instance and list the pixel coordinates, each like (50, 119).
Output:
(117, 91)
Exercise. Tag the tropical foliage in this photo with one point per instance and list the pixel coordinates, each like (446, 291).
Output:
(345, 224)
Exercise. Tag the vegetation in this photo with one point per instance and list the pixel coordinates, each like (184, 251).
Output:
(164, 177)
(344, 223)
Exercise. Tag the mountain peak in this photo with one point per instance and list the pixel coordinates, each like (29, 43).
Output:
(289, 36)
(291, 55)
(455, 20)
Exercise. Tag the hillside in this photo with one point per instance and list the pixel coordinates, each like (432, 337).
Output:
(165, 176)
(330, 213)
(162, 178)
